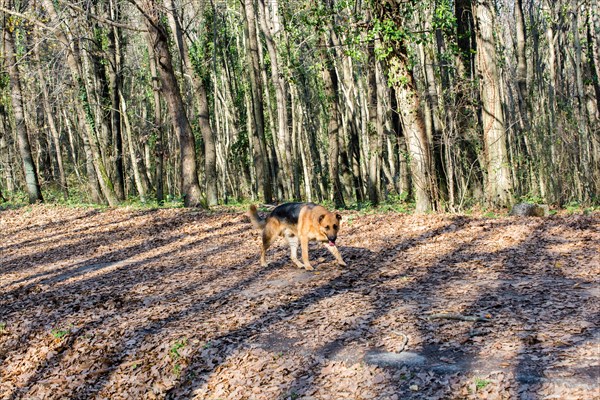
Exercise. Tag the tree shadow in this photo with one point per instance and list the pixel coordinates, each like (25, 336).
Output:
(347, 280)
(223, 310)
(108, 289)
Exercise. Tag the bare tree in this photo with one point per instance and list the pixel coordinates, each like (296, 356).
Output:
(498, 181)
(259, 147)
(170, 88)
(16, 96)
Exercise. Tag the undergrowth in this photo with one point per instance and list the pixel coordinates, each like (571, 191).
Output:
(79, 198)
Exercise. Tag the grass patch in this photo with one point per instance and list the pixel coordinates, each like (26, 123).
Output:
(174, 350)
(176, 356)
(481, 383)
(59, 333)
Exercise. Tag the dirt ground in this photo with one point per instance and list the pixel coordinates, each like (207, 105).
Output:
(130, 304)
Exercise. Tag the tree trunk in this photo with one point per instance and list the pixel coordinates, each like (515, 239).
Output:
(259, 147)
(157, 126)
(49, 115)
(593, 50)
(16, 96)
(401, 77)
(417, 142)
(283, 135)
(465, 37)
(375, 132)
(74, 63)
(521, 65)
(116, 82)
(140, 179)
(190, 185)
(333, 131)
(201, 100)
(5, 150)
(499, 186)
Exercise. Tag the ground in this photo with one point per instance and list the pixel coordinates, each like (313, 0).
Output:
(172, 303)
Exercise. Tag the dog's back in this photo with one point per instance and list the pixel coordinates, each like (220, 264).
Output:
(289, 213)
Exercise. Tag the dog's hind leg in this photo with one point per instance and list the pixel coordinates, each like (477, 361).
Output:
(269, 234)
(267, 239)
(293, 242)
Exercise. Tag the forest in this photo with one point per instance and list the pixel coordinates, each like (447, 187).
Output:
(135, 133)
(441, 104)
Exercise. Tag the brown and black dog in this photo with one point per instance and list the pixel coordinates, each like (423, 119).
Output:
(298, 222)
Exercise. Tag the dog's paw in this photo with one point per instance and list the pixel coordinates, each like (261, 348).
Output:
(308, 267)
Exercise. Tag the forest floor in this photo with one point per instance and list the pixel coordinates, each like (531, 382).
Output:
(172, 303)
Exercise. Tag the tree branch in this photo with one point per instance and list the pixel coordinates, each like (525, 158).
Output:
(101, 19)
(25, 17)
(458, 317)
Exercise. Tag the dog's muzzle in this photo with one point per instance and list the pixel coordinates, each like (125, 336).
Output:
(332, 240)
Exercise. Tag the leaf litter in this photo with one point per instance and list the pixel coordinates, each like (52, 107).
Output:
(154, 304)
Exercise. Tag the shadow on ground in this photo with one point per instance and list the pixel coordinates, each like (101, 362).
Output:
(172, 304)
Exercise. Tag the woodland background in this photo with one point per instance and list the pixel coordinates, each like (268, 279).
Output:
(444, 104)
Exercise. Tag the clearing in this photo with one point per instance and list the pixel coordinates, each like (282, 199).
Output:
(171, 303)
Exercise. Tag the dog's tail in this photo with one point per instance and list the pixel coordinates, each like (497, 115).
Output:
(255, 219)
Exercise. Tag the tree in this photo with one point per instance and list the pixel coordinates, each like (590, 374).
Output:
(498, 180)
(201, 101)
(447, 103)
(389, 19)
(259, 147)
(51, 122)
(170, 88)
(31, 176)
(330, 79)
(97, 171)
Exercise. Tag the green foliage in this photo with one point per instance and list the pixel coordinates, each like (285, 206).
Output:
(175, 356)
(17, 199)
(58, 333)
(89, 116)
(2, 328)
(481, 383)
(240, 150)
(491, 214)
(4, 82)
(394, 203)
(102, 43)
(174, 350)
(531, 198)
(389, 32)
(443, 17)
(575, 207)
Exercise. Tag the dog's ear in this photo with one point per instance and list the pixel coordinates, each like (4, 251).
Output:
(338, 216)
(321, 217)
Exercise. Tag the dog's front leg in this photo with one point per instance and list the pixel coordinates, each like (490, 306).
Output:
(336, 253)
(293, 242)
(304, 245)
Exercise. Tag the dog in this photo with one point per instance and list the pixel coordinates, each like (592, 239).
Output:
(298, 222)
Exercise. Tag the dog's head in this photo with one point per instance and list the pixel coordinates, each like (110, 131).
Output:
(329, 225)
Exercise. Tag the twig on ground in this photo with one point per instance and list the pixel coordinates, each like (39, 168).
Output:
(404, 341)
(458, 317)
